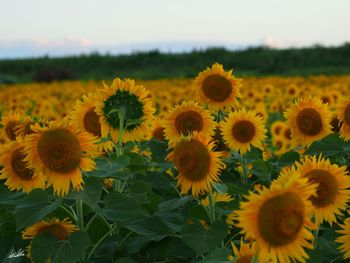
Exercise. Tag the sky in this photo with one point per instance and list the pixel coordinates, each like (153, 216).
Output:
(30, 28)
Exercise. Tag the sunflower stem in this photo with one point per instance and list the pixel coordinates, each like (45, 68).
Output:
(244, 175)
(92, 251)
(121, 114)
(80, 214)
(211, 207)
(73, 216)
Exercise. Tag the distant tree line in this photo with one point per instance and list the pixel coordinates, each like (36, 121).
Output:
(154, 64)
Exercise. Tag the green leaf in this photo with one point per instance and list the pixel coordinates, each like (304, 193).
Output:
(198, 212)
(234, 189)
(35, 206)
(9, 198)
(221, 188)
(152, 227)
(71, 250)
(219, 255)
(203, 240)
(262, 170)
(110, 167)
(120, 207)
(328, 146)
(289, 158)
(138, 163)
(91, 193)
(175, 203)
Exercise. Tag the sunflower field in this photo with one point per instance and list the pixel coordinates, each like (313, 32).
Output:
(213, 169)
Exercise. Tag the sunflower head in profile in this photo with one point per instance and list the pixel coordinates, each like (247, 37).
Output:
(333, 183)
(55, 227)
(343, 114)
(243, 128)
(136, 103)
(344, 238)
(216, 87)
(60, 153)
(158, 130)
(278, 218)
(245, 253)
(10, 121)
(309, 120)
(15, 169)
(198, 165)
(187, 118)
(84, 118)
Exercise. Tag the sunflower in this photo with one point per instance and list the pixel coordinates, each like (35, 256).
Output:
(217, 197)
(187, 118)
(243, 128)
(158, 130)
(245, 253)
(278, 219)
(197, 163)
(84, 118)
(135, 100)
(59, 229)
(60, 153)
(332, 191)
(217, 87)
(9, 122)
(24, 127)
(309, 120)
(18, 176)
(344, 239)
(343, 114)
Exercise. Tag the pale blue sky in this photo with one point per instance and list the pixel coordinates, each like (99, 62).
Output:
(74, 26)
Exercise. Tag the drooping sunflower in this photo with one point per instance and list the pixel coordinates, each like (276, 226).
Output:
(278, 219)
(216, 87)
(309, 120)
(60, 153)
(217, 197)
(332, 192)
(136, 103)
(343, 114)
(158, 130)
(187, 118)
(15, 170)
(344, 239)
(55, 227)
(245, 253)
(84, 118)
(9, 122)
(243, 128)
(23, 128)
(197, 163)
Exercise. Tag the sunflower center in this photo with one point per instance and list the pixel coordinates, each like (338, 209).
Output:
(217, 88)
(309, 121)
(188, 122)
(243, 131)
(59, 150)
(327, 187)
(281, 218)
(192, 159)
(244, 259)
(92, 122)
(19, 166)
(347, 114)
(132, 105)
(159, 134)
(56, 230)
(288, 134)
(10, 129)
(27, 129)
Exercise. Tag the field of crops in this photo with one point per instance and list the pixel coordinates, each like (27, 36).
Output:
(211, 169)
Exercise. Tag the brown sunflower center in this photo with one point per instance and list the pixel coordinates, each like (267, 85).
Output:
(59, 150)
(159, 134)
(281, 218)
(347, 114)
(288, 134)
(19, 166)
(244, 259)
(217, 88)
(10, 129)
(327, 187)
(27, 130)
(243, 131)
(192, 159)
(92, 122)
(188, 121)
(309, 121)
(56, 230)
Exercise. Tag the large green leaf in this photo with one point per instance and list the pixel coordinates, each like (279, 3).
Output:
(110, 167)
(175, 203)
(71, 250)
(9, 198)
(219, 255)
(35, 206)
(204, 240)
(328, 146)
(120, 207)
